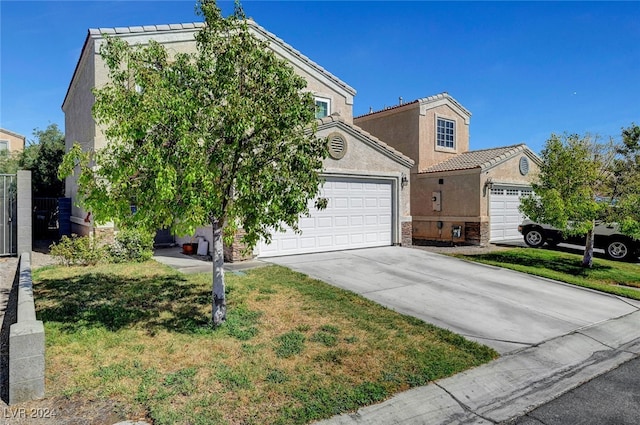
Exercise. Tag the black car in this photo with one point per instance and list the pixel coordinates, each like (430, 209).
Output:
(606, 236)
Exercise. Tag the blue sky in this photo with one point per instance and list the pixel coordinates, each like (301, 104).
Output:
(523, 69)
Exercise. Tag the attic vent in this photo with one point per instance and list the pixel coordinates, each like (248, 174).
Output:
(524, 166)
(337, 145)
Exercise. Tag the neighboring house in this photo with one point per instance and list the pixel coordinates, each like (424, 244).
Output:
(366, 180)
(11, 142)
(457, 196)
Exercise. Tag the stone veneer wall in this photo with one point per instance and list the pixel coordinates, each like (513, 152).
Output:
(472, 232)
(407, 233)
(477, 233)
(236, 252)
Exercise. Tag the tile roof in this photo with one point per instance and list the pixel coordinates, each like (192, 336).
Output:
(119, 31)
(146, 28)
(358, 132)
(422, 101)
(482, 159)
(12, 133)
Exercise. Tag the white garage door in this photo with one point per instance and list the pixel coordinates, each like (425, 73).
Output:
(504, 215)
(358, 215)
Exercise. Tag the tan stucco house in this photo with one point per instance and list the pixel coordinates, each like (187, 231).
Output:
(11, 142)
(458, 196)
(366, 180)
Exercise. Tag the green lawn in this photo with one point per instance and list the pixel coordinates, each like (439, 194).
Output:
(614, 277)
(293, 349)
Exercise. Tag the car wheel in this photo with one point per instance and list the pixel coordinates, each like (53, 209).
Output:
(618, 249)
(534, 238)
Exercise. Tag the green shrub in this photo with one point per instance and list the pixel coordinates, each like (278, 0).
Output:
(78, 250)
(132, 245)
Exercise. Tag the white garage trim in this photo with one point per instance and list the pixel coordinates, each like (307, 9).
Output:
(361, 213)
(504, 215)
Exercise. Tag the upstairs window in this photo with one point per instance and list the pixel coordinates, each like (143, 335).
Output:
(4, 145)
(445, 133)
(323, 107)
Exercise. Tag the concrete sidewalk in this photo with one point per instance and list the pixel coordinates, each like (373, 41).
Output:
(188, 264)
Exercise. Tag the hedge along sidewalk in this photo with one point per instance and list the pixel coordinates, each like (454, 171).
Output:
(293, 349)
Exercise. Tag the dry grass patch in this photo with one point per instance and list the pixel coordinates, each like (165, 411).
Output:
(293, 349)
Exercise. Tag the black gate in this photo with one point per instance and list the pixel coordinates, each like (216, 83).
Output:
(45, 218)
(8, 213)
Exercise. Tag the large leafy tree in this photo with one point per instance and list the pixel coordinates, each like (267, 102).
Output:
(223, 136)
(43, 157)
(625, 182)
(570, 186)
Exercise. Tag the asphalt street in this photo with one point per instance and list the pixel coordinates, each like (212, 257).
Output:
(610, 399)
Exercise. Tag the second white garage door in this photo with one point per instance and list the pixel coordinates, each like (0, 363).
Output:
(358, 215)
(504, 213)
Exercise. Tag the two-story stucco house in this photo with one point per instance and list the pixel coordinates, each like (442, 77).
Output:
(366, 181)
(11, 142)
(457, 195)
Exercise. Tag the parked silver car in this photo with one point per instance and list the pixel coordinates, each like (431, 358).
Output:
(606, 236)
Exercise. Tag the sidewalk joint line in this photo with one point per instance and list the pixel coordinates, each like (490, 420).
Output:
(462, 405)
(596, 340)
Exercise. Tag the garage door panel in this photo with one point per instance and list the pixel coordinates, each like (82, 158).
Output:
(357, 220)
(356, 203)
(307, 222)
(504, 212)
(341, 221)
(358, 215)
(339, 203)
(324, 222)
(307, 242)
(371, 220)
(289, 243)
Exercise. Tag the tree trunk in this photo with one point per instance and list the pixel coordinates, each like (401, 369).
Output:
(219, 303)
(587, 260)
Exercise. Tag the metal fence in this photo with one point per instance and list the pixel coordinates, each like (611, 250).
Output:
(45, 218)
(8, 214)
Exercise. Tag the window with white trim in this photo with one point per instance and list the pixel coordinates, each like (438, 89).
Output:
(445, 133)
(323, 107)
(4, 145)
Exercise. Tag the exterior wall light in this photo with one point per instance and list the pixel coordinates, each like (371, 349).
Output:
(404, 181)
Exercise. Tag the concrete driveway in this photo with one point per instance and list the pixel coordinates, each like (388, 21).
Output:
(503, 309)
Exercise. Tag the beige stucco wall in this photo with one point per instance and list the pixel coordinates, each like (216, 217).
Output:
(465, 198)
(412, 130)
(91, 72)
(508, 173)
(361, 160)
(339, 102)
(430, 154)
(364, 159)
(15, 141)
(398, 128)
(460, 199)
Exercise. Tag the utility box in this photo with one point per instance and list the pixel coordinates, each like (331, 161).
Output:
(436, 199)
